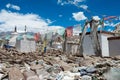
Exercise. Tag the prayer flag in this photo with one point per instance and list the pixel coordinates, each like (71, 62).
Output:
(37, 36)
(110, 17)
(69, 31)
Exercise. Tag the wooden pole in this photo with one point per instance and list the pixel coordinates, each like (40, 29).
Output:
(65, 42)
(25, 28)
(95, 38)
(82, 38)
(15, 29)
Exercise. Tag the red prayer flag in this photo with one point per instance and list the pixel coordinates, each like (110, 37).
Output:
(36, 36)
(110, 17)
(69, 31)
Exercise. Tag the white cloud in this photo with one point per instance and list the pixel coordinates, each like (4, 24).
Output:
(85, 7)
(107, 23)
(79, 16)
(33, 22)
(54, 28)
(73, 2)
(60, 15)
(8, 5)
(13, 6)
(59, 1)
(110, 30)
(117, 24)
(77, 29)
(76, 1)
(48, 21)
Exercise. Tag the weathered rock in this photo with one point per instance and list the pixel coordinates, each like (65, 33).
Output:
(83, 67)
(59, 76)
(100, 65)
(1, 75)
(77, 78)
(74, 70)
(83, 72)
(51, 69)
(116, 58)
(36, 67)
(112, 74)
(27, 66)
(91, 69)
(86, 77)
(30, 75)
(68, 78)
(65, 66)
(15, 74)
(43, 74)
(73, 65)
(63, 58)
(57, 58)
(54, 62)
(68, 73)
(37, 62)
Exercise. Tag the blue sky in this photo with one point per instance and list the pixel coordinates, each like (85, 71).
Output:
(40, 14)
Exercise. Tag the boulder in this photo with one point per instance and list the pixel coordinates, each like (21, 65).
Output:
(91, 69)
(35, 67)
(30, 75)
(43, 74)
(86, 77)
(15, 74)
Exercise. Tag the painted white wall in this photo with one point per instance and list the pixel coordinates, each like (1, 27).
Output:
(88, 47)
(105, 45)
(57, 45)
(72, 48)
(18, 45)
(26, 46)
(12, 41)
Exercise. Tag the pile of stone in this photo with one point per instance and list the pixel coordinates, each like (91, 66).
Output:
(53, 65)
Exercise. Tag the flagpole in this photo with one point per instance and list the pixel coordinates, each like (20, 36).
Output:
(82, 35)
(65, 42)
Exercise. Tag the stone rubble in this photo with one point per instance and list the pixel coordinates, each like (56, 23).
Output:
(53, 65)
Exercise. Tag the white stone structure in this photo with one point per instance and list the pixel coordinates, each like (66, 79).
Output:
(26, 45)
(114, 46)
(12, 41)
(104, 44)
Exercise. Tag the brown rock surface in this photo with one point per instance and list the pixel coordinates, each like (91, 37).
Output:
(15, 74)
